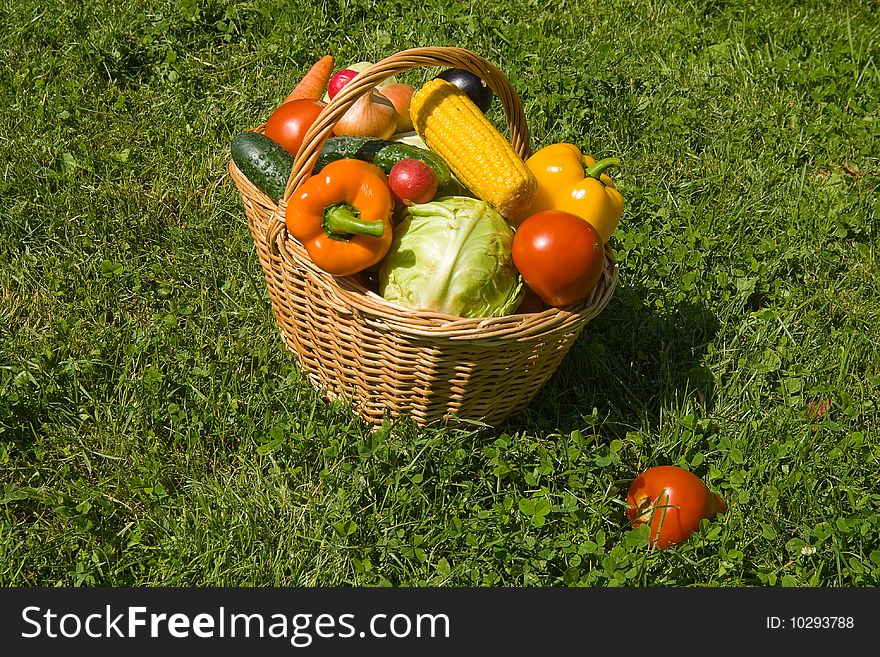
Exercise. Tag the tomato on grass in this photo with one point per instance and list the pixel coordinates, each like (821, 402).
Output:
(672, 501)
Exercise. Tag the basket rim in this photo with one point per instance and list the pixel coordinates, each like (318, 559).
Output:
(427, 323)
(357, 297)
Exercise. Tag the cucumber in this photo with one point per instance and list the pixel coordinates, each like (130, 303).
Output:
(266, 164)
(384, 154)
(343, 148)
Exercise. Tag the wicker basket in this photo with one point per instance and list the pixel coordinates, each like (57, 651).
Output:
(386, 360)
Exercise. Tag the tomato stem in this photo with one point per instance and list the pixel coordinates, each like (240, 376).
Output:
(665, 505)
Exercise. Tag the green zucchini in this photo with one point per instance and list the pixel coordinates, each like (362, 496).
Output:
(266, 164)
(384, 154)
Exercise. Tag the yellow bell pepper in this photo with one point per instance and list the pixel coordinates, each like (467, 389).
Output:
(573, 182)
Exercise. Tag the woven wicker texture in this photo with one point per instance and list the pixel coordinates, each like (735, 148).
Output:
(386, 360)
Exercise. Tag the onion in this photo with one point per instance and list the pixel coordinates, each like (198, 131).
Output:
(372, 115)
(400, 94)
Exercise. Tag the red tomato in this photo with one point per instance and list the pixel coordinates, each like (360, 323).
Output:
(673, 501)
(289, 122)
(559, 255)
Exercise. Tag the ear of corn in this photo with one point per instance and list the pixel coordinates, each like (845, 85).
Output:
(480, 157)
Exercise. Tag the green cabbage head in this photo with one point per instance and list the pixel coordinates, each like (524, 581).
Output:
(452, 256)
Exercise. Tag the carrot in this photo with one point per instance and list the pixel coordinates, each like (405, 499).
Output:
(314, 82)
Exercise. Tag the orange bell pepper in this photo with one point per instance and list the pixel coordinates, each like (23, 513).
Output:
(573, 182)
(342, 216)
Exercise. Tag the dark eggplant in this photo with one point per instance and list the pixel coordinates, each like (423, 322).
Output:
(475, 88)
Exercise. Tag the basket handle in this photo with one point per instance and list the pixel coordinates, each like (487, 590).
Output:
(367, 79)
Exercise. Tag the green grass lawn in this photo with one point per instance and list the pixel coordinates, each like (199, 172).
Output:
(155, 431)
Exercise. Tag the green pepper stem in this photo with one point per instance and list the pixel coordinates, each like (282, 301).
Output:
(599, 168)
(344, 220)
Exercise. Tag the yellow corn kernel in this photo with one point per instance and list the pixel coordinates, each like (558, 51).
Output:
(479, 156)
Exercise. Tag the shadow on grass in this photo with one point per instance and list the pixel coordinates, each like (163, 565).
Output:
(629, 363)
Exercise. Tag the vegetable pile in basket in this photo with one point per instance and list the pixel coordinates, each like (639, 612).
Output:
(424, 201)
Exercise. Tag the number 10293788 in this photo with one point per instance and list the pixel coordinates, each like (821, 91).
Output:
(810, 623)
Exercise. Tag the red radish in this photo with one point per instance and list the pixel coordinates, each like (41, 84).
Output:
(412, 181)
(339, 80)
